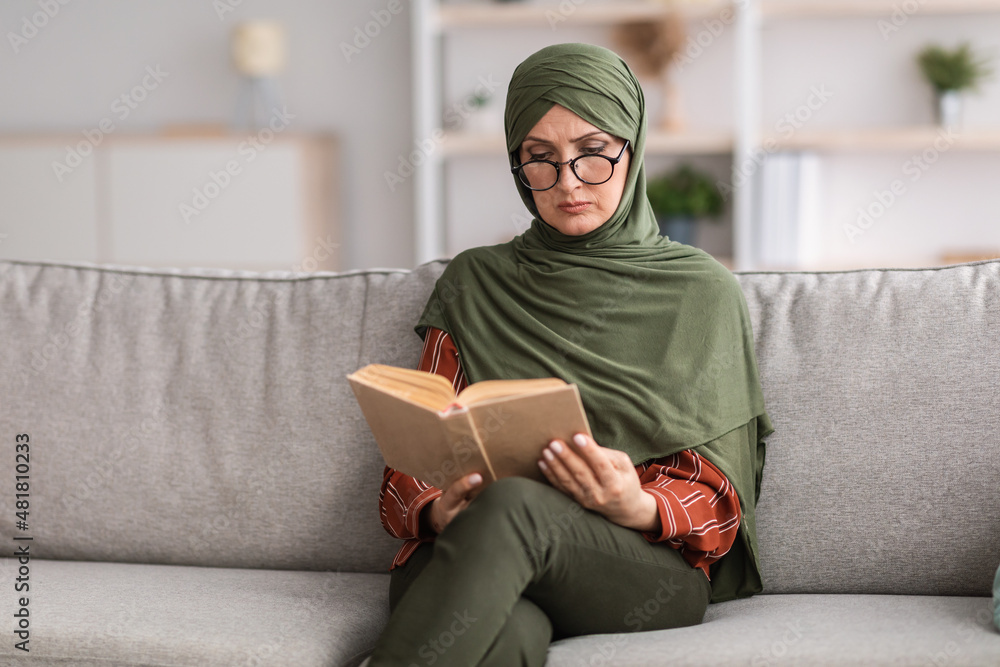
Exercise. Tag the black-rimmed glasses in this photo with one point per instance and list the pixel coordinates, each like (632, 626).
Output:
(591, 169)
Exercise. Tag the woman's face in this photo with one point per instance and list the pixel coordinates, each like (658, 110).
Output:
(572, 206)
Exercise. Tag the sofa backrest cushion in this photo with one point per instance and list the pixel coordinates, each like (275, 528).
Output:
(202, 417)
(883, 473)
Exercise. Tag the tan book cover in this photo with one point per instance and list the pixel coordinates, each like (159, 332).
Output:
(495, 427)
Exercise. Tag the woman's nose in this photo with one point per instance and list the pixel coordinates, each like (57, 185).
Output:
(567, 178)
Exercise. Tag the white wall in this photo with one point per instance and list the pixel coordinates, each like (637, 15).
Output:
(91, 52)
(67, 76)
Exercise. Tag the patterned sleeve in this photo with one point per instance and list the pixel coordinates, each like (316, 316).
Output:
(402, 497)
(698, 507)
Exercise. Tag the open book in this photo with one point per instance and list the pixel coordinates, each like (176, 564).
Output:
(495, 427)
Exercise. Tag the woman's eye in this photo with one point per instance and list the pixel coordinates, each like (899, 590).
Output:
(594, 150)
(538, 156)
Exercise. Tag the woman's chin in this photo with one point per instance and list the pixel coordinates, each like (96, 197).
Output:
(573, 225)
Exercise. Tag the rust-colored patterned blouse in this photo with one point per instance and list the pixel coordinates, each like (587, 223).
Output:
(698, 507)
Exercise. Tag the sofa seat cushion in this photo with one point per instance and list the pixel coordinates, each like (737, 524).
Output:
(810, 629)
(96, 613)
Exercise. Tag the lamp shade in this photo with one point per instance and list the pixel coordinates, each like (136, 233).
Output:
(259, 48)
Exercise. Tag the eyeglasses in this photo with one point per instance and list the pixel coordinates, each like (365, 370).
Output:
(591, 169)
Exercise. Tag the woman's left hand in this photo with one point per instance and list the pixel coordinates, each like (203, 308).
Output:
(600, 479)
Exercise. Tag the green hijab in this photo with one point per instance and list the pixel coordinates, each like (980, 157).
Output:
(655, 334)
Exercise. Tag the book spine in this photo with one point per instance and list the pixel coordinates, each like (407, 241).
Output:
(464, 439)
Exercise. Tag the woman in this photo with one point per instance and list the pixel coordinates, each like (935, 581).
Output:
(642, 525)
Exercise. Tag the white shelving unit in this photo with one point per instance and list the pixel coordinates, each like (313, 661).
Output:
(434, 22)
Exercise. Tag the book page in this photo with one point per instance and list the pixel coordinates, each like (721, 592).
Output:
(490, 389)
(429, 389)
(514, 430)
(421, 442)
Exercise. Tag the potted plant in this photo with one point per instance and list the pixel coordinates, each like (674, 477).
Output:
(476, 113)
(679, 198)
(952, 73)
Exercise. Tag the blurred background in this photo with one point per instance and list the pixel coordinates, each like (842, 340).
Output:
(331, 135)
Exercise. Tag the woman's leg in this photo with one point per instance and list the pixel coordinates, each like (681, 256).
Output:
(401, 577)
(521, 539)
(523, 640)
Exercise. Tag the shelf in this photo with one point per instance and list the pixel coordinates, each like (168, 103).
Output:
(884, 8)
(434, 24)
(888, 139)
(549, 15)
(698, 142)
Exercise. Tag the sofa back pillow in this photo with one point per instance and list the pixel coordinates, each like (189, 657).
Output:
(201, 417)
(883, 467)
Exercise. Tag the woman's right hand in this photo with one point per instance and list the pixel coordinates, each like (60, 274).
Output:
(454, 499)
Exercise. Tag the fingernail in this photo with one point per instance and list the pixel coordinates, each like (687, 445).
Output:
(555, 446)
(541, 464)
(580, 439)
(475, 479)
(548, 454)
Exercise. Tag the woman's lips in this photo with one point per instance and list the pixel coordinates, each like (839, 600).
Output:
(574, 206)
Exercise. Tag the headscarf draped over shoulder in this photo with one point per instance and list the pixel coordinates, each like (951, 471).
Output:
(655, 334)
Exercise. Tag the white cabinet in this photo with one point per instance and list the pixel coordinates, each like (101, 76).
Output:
(40, 216)
(161, 201)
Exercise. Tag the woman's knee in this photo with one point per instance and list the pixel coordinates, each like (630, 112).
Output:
(523, 640)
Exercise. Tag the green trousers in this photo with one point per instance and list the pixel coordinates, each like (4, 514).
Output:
(524, 565)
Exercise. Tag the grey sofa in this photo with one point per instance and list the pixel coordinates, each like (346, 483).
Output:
(202, 488)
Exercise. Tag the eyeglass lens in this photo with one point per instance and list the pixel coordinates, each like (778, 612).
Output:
(592, 169)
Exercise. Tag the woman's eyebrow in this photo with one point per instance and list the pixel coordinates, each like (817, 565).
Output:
(573, 141)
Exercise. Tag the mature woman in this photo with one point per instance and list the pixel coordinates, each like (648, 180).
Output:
(642, 525)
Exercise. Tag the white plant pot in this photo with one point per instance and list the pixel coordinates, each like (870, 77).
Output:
(949, 109)
(485, 120)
